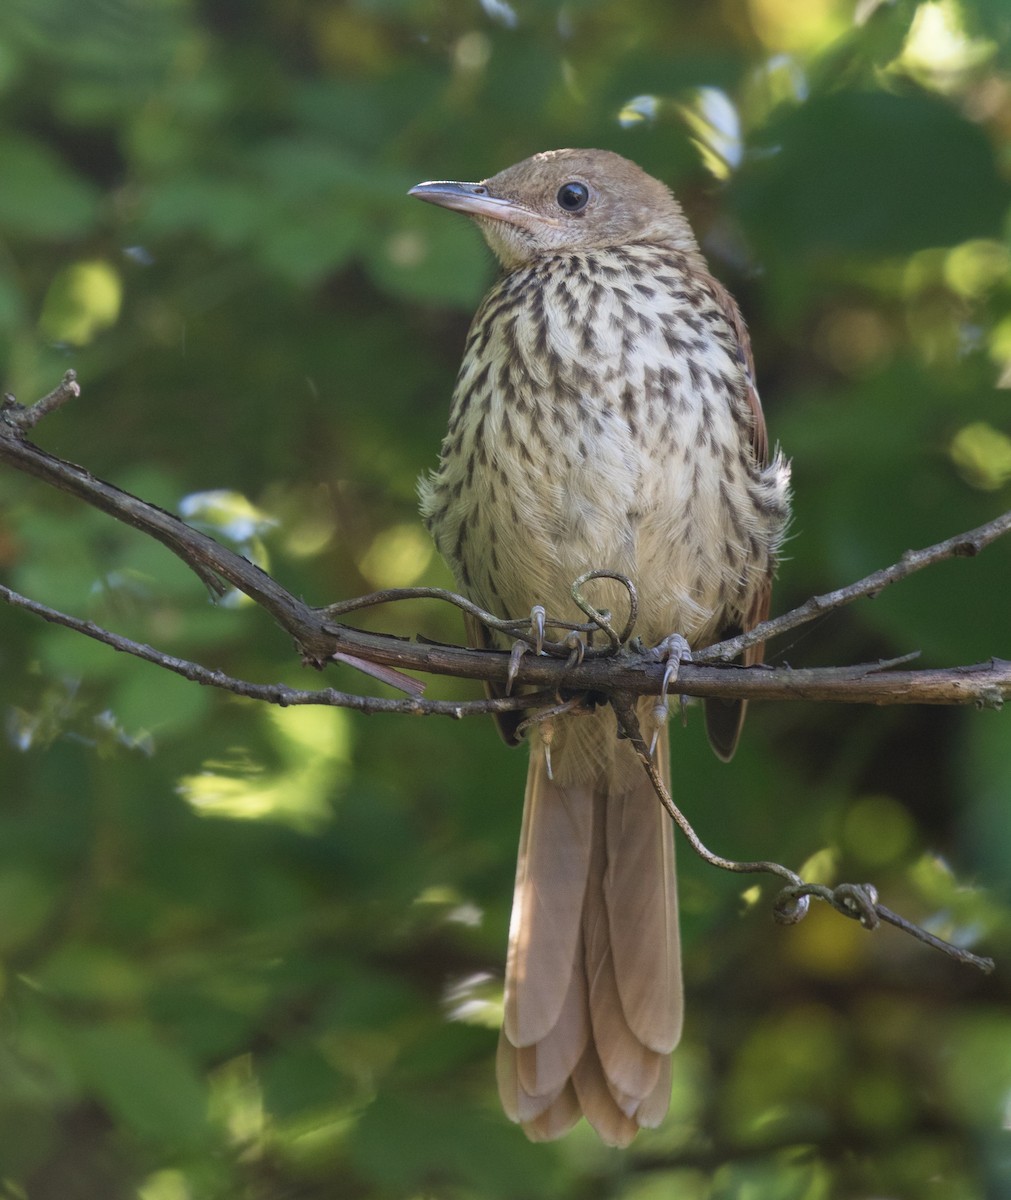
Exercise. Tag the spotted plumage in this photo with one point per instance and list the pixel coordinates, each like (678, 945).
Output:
(605, 416)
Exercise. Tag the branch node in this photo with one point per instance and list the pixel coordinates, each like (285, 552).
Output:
(22, 418)
(857, 900)
(791, 906)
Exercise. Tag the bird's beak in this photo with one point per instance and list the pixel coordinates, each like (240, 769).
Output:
(471, 198)
(475, 200)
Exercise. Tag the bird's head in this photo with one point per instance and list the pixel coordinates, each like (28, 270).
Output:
(566, 200)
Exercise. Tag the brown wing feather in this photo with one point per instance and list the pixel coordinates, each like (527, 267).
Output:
(725, 718)
(508, 723)
(728, 306)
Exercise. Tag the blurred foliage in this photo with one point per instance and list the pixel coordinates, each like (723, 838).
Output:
(253, 953)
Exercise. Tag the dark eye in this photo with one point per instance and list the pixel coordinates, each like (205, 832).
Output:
(573, 196)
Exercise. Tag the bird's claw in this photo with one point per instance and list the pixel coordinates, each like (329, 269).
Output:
(517, 652)
(672, 651)
(520, 647)
(577, 649)
(547, 736)
(660, 714)
(537, 616)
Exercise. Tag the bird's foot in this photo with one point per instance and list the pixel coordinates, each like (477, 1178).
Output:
(521, 646)
(672, 651)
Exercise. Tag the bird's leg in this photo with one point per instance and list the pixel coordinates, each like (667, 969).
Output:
(672, 651)
(521, 647)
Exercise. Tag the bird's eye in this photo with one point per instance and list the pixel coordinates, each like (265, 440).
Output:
(573, 197)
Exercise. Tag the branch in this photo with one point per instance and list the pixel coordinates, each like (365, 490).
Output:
(27, 418)
(963, 545)
(321, 639)
(273, 693)
(573, 664)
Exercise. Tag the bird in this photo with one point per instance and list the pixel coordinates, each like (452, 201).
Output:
(605, 417)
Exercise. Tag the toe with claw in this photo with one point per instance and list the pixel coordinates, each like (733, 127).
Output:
(672, 651)
(521, 647)
(517, 652)
(537, 627)
(577, 649)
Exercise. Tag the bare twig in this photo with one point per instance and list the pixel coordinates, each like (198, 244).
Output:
(858, 901)
(963, 545)
(19, 417)
(273, 693)
(519, 629)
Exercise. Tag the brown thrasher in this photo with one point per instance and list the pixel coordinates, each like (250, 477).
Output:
(605, 416)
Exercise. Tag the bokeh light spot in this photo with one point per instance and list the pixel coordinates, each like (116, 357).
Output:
(83, 300)
(982, 456)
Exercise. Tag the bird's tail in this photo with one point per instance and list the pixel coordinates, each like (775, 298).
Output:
(593, 999)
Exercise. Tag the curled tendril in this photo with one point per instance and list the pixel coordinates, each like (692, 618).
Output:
(520, 628)
(602, 619)
(858, 901)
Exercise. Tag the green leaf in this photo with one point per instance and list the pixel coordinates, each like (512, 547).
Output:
(225, 210)
(436, 257)
(150, 1087)
(27, 900)
(12, 304)
(871, 173)
(436, 1141)
(306, 246)
(39, 196)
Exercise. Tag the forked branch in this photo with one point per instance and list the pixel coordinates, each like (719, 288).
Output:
(606, 666)
(592, 657)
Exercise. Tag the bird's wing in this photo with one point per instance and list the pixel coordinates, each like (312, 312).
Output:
(479, 636)
(728, 307)
(724, 718)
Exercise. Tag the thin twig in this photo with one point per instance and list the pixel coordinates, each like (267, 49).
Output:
(273, 693)
(19, 417)
(857, 901)
(517, 628)
(963, 545)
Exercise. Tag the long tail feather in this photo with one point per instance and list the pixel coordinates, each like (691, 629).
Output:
(593, 981)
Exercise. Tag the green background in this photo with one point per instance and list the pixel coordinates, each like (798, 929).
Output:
(257, 953)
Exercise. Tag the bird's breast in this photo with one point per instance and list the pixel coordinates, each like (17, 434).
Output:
(599, 403)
